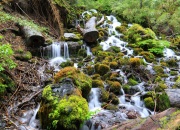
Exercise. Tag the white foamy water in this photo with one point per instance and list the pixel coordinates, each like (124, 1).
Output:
(94, 103)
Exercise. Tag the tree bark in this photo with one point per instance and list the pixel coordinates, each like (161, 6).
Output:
(33, 37)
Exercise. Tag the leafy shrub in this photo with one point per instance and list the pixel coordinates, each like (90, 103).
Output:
(154, 46)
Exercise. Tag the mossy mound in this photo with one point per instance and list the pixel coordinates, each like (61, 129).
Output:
(114, 86)
(97, 84)
(109, 106)
(67, 113)
(82, 53)
(101, 69)
(114, 99)
(149, 103)
(81, 80)
(135, 62)
(172, 62)
(161, 87)
(67, 63)
(113, 65)
(132, 82)
(149, 57)
(137, 33)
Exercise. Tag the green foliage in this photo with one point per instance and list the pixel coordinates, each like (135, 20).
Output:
(70, 113)
(161, 15)
(5, 83)
(6, 53)
(154, 46)
(24, 56)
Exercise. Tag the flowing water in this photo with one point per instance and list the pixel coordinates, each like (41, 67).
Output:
(58, 52)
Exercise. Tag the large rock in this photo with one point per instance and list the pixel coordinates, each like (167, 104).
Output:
(174, 97)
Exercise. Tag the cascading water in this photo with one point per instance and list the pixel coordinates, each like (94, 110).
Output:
(54, 52)
(94, 103)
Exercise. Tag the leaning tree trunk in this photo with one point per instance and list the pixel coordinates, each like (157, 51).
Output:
(90, 33)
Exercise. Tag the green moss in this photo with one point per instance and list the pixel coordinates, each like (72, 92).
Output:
(104, 96)
(113, 65)
(89, 70)
(163, 102)
(173, 73)
(122, 29)
(132, 82)
(161, 87)
(154, 46)
(80, 64)
(96, 76)
(149, 57)
(159, 70)
(114, 49)
(101, 69)
(82, 52)
(177, 83)
(96, 49)
(97, 84)
(137, 33)
(137, 51)
(126, 88)
(172, 62)
(70, 113)
(114, 99)
(115, 86)
(82, 81)
(135, 62)
(149, 103)
(67, 63)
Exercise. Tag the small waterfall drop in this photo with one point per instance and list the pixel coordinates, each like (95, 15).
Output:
(94, 103)
(66, 51)
(56, 49)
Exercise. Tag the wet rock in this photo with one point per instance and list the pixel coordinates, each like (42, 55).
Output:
(66, 87)
(71, 37)
(131, 115)
(174, 97)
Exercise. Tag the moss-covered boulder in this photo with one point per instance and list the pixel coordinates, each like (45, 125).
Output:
(97, 84)
(82, 53)
(114, 87)
(114, 99)
(137, 33)
(149, 103)
(66, 113)
(80, 80)
(101, 69)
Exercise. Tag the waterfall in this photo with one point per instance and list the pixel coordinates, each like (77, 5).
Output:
(87, 48)
(56, 49)
(94, 99)
(66, 51)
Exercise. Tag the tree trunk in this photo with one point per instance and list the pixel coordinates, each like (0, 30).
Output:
(33, 37)
(90, 33)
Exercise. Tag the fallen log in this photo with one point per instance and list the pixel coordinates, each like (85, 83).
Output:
(90, 33)
(33, 37)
